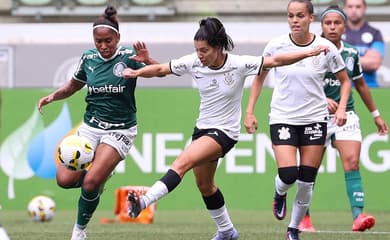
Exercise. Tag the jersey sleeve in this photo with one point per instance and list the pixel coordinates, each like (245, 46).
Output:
(335, 60)
(182, 65)
(357, 68)
(80, 74)
(378, 43)
(252, 64)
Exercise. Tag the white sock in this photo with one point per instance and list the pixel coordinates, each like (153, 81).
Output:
(280, 187)
(301, 202)
(157, 191)
(221, 218)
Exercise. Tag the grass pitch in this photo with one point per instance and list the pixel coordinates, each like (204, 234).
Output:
(191, 225)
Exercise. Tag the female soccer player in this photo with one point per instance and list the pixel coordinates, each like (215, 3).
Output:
(110, 117)
(299, 111)
(347, 139)
(220, 78)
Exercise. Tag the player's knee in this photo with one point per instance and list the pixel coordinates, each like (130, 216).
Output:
(307, 173)
(205, 188)
(90, 185)
(288, 175)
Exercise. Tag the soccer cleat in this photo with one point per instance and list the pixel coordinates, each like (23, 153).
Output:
(306, 225)
(78, 233)
(363, 222)
(231, 234)
(279, 206)
(292, 234)
(134, 205)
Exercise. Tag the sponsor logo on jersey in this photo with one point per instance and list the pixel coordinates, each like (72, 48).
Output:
(251, 66)
(214, 83)
(106, 89)
(332, 82)
(180, 67)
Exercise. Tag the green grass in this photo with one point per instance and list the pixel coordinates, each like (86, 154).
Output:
(190, 225)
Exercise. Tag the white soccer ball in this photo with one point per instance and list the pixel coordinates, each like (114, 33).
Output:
(75, 152)
(41, 209)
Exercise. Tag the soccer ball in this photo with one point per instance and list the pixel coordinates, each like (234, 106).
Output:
(75, 152)
(41, 209)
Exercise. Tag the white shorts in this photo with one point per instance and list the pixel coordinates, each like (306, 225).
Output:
(349, 131)
(120, 139)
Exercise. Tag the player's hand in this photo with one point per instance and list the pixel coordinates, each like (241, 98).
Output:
(340, 117)
(251, 123)
(44, 101)
(381, 125)
(141, 51)
(129, 73)
(332, 105)
(319, 49)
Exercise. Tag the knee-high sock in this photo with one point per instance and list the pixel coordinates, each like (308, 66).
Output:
(354, 186)
(88, 202)
(216, 206)
(160, 188)
(281, 187)
(301, 202)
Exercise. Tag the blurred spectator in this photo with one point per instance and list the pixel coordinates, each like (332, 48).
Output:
(367, 39)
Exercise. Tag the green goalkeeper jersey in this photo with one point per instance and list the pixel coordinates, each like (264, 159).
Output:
(110, 98)
(354, 70)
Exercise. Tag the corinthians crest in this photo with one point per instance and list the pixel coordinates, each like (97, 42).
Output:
(228, 79)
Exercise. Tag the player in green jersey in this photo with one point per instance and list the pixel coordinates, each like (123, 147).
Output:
(110, 122)
(347, 139)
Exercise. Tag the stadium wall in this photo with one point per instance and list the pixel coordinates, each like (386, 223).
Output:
(45, 55)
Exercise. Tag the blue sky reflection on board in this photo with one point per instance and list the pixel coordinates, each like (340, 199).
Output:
(42, 148)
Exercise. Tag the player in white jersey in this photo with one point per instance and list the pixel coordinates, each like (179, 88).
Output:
(110, 117)
(220, 78)
(347, 139)
(298, 111)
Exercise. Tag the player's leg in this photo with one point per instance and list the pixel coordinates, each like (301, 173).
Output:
(105, 161)
(284, 141)
(214, 200)
(349, 153)
(113, 148)
(311, 140)
(198, 152)
(348, 143)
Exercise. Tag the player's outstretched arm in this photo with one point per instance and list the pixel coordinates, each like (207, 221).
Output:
(292, 57)
(63, 92)
(154, 70)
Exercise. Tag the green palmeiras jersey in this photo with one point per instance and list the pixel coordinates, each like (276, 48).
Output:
(354, 70)
(110, 98)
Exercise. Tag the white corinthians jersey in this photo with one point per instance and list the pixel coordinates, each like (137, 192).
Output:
(220, 89)
(298, 97)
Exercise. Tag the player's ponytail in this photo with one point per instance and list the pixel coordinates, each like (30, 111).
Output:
(213, 31)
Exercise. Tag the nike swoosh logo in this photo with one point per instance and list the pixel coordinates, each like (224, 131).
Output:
(314, 138)
(280, 214)
(213, 133)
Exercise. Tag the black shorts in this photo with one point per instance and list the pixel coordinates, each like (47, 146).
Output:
(219, 136)
(298, 135)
